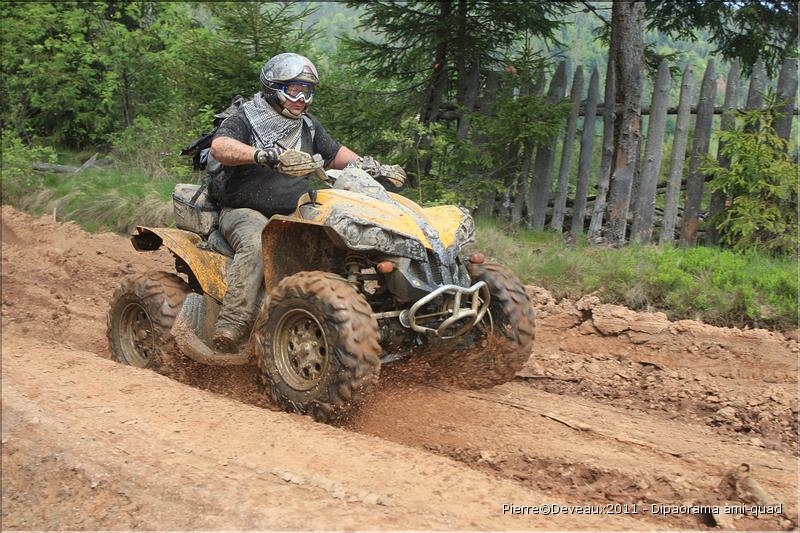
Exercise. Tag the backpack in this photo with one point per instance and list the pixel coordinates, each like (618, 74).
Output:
(200, 150)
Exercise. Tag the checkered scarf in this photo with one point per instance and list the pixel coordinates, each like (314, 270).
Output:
(269, 126)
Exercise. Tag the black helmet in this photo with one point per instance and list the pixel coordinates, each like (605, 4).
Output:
(289, 77)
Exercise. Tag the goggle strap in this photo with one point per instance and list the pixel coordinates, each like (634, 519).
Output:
(310, 86)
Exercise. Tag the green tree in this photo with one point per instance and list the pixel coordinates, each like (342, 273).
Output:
(441, 52)
(437, 43)
(90, 68)
(357, 108)
(87, 69)
(216, 50)
(760, 186)
(747, 29)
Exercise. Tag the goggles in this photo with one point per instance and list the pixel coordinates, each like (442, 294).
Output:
(296, 90)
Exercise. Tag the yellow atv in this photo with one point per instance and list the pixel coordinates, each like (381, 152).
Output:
(354, 278)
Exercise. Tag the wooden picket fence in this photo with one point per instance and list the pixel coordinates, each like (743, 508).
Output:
(545, 194)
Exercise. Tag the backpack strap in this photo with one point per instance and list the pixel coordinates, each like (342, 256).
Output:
(310, 124)
(193, 201)
(236, 103)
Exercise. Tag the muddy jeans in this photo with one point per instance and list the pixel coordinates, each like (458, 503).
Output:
(242, 229)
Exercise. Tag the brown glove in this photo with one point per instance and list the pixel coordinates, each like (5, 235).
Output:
(393, 174)
(297, 163)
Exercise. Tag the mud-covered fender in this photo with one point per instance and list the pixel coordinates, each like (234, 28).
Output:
(290, 245)
(208, 267)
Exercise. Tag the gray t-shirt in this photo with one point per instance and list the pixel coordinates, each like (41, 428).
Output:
(265, 189)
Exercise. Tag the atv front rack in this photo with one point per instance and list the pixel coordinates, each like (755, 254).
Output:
(478, 296)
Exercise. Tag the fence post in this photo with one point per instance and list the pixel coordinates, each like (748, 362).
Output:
(470, 97)
(486, 205)
(787, 92)
(598, 210)
(758, 83)
(679, 143)
(562, 186)
(521, 183)
(539, 192)
(585, 159)
(642, 230)
(511, 184)
(702, 138)
(727, 123)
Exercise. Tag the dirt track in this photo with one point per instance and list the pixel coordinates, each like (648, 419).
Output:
(614, 407)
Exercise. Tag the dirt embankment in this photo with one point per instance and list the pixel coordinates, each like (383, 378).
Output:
(614, 407)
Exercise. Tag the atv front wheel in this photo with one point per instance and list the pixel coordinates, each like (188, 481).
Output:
(495, 350)
(318, 343)
(142, 312)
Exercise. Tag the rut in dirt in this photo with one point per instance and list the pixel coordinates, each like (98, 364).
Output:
(407, 409)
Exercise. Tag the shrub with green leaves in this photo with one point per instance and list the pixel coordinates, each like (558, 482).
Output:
(760, 185)
(154, 145)
(17, 177)
(136, 190)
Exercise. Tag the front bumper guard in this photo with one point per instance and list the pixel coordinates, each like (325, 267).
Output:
(479, 300)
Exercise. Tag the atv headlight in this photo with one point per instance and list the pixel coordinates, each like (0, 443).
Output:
(465, 233)
(359, 234)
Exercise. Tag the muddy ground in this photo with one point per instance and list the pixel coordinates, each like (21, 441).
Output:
(619, 410)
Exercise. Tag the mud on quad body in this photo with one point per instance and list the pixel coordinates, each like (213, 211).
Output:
(354, 278)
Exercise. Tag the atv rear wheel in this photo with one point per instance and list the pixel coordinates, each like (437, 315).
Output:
(142, 312)
(318, 345)
(495, 350)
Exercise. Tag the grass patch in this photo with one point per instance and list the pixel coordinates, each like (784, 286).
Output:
(109, 198)
(100, 200)
(716, 286)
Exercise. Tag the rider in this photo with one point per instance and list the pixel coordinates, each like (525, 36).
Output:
(264, 176)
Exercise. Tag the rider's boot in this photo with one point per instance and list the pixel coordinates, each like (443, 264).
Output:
(226, 340)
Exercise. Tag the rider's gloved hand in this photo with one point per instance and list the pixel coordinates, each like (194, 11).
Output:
(268, 157)
(297, 163)
(393, 174)
(368, 165)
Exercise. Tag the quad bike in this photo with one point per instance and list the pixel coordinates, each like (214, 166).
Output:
(355, 278)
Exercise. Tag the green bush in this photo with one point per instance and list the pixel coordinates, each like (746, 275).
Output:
(760, 185)
(17, 177)
(135, 190)
(154, 146)
(106, 199)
